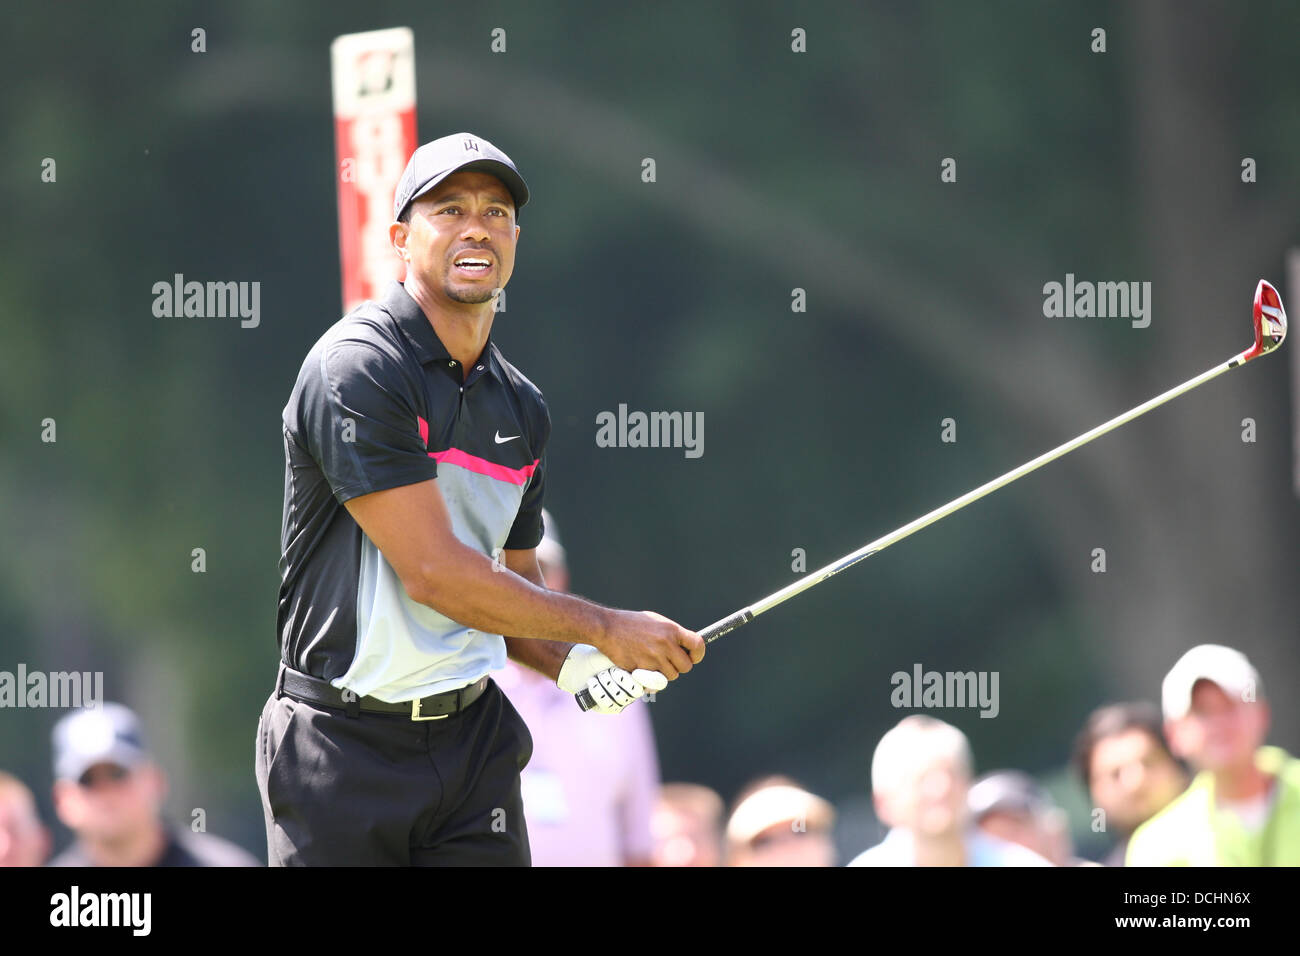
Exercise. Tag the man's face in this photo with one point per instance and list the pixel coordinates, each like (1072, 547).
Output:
(109, 802)
(1132, 778)
(467, 215)
(931, 800)
(684, 839)
(1220, 731)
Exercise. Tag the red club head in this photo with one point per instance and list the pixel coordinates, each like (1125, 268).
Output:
(1270, 321)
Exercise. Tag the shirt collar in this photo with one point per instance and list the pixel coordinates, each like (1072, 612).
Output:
(411, 319)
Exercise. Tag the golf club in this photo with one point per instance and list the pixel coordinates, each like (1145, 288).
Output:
(1270, 329)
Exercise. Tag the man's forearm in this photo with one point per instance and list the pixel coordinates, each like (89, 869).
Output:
(545, 657)
(469, 588)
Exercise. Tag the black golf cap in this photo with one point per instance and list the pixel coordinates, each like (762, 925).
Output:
(433, 162)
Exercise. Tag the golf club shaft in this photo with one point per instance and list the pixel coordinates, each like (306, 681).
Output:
(747, 614)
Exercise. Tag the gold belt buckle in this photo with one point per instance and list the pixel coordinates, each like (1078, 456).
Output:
(415, 712)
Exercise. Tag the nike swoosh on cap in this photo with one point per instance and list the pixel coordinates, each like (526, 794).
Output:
(502, 441)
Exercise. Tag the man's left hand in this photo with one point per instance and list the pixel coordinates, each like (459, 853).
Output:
(611, 687)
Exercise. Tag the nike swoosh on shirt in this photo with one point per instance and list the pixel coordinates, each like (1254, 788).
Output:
(502, 441)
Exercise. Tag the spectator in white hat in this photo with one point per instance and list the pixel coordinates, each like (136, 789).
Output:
(1243, 807)
(778, 823)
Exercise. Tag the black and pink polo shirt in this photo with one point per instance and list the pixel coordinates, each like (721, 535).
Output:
(380, 403)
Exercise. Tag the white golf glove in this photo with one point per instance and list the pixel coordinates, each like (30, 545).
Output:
(611, 687)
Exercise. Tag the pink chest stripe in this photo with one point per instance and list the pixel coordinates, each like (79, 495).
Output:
(480, 466)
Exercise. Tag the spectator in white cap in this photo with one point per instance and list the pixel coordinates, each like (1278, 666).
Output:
(778, 823)
(109, 792)
(1243, 807)
(920, 778)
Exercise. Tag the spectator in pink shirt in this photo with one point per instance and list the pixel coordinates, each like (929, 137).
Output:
(590, 787)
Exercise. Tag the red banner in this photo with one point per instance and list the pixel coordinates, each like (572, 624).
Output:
(374, 136)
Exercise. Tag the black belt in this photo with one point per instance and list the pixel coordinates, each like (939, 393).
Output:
(313, 690)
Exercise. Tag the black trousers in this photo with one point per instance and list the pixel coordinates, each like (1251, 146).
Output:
(384, 790)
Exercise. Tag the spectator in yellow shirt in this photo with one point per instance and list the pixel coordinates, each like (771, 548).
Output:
(1243, 807)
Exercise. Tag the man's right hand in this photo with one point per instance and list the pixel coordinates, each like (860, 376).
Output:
(644, 639)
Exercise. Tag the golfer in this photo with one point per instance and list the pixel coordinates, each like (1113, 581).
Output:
(414, 478)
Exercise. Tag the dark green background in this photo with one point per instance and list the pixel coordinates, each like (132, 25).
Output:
(776, 170)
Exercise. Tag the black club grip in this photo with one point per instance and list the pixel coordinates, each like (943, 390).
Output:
(726, 625)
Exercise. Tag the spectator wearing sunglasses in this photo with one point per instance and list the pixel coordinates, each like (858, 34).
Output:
(109, 792)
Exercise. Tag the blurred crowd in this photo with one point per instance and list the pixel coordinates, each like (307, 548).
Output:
(1190, 782)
